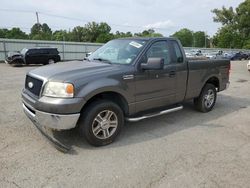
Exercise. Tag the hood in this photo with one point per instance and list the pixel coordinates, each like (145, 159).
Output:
(72, 71)
(11, 54)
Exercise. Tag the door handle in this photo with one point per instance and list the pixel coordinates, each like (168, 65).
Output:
(172, 74)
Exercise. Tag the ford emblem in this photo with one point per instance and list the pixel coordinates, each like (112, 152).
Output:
(31, 85)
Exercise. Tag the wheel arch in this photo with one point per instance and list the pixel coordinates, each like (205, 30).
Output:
(113, 96)
(213, 80)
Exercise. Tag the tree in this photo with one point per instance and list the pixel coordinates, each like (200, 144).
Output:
(224, 16)
(148, 33)
(199, 38)
(243, 20)
(119, 34)
(16, 33)
(185, 36)
(227, 37)
(41, 32)
(78, 34)
(94, 30)
(235, 30)
(61, 35)
(3, 33)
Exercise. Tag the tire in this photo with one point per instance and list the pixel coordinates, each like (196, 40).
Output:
(51, 61)
(17, 63)
(204, 104)
(94, 125)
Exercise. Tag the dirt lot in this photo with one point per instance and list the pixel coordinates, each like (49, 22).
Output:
(183, 149)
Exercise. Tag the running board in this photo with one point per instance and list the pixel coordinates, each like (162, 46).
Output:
(135, 119)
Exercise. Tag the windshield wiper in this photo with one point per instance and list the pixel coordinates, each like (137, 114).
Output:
(102, 60)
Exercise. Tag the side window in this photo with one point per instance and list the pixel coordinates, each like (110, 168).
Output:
(159, 49)
(43, 51)
(177, 52)
(31, 52)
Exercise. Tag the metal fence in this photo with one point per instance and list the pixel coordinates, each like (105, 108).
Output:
(73, 50)
(68, 50)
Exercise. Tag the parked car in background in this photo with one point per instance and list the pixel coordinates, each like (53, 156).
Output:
(38, 55)
(240, 56)
(198, 53)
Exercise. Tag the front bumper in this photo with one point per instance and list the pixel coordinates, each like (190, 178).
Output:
(53, 121)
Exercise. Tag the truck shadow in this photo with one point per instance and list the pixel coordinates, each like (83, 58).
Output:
(162, 126)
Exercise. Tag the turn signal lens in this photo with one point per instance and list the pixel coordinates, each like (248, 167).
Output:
(70, 89)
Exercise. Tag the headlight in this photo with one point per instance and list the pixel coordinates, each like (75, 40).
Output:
(60, 90)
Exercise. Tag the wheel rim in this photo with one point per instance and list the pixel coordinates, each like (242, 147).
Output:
(209, 98)
(105, 124)
(51, 61)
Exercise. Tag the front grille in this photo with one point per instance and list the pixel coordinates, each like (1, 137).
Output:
(37, 85)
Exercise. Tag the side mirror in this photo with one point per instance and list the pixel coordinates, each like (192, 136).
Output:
(153, 64)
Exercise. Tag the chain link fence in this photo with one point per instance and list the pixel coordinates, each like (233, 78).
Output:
(75, 50)
(68, 50)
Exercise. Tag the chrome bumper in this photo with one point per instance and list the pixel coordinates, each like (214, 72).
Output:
(53, 121)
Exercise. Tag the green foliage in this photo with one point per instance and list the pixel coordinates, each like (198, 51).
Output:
(185, 36)
(15, 33)
(247, 44)
(235, 30)
(119, 34)
(227, 37)
(61, 35)
(190, 38)
(148, 33)
(224, 16)
(78, 34)
(41, 32)
(199, 39)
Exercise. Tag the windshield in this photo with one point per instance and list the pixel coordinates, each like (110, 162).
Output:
(118, 51)
(24, 51)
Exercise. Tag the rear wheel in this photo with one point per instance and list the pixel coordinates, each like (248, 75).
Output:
(101, 122)
(207, 99)
(51, 61)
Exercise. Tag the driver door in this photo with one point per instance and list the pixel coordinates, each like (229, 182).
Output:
(156, 88)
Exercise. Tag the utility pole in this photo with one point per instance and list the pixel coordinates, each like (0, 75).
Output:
(37, 18)
(205, 39)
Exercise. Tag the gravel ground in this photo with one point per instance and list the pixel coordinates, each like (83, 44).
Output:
(182, 149)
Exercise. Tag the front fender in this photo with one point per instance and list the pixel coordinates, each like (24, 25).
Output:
(17, 60)
(105, 85)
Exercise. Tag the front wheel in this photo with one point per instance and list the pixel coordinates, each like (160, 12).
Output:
(101, 122)
(206, 101)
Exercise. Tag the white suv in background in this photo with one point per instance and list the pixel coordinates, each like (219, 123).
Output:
(248, 66)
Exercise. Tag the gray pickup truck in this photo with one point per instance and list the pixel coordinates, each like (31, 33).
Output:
(126, 79)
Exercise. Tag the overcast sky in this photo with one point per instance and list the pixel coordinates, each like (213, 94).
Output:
(165, 16)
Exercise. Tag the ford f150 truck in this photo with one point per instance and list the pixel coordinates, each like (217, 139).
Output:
(126, 79)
